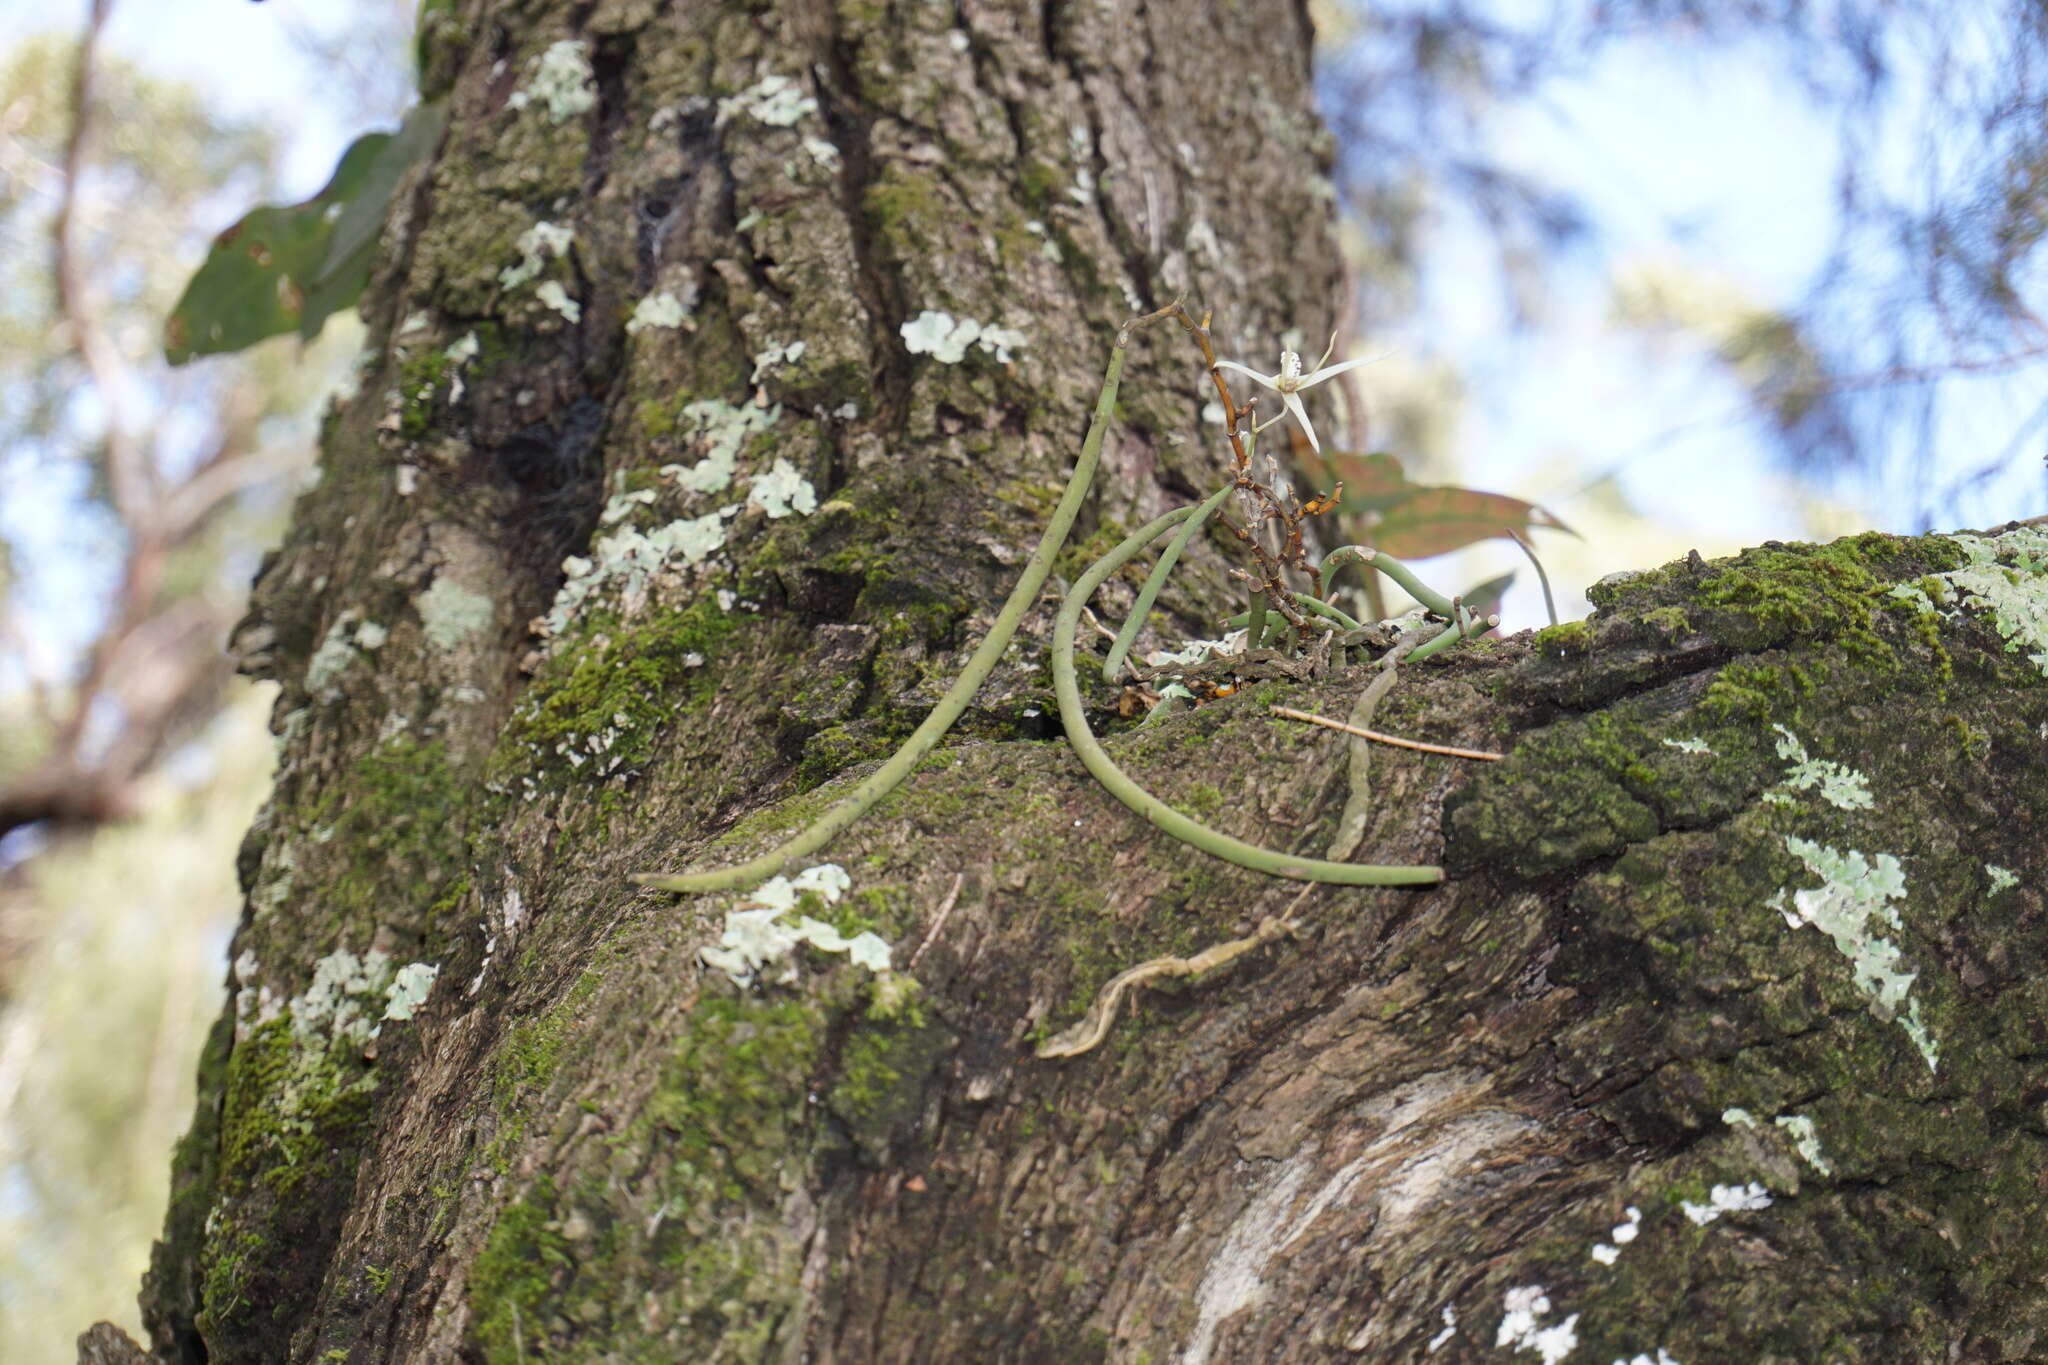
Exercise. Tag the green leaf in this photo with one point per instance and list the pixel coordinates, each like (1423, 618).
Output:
(259, 278)
(362, 220)
(1415, 521)
(431, 16)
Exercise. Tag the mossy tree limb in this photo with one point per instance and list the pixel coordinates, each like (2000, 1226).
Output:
(581, 1144)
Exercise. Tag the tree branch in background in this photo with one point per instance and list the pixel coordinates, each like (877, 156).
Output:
(155, 671)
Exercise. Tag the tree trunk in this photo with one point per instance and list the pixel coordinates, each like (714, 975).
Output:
(1627, 1080)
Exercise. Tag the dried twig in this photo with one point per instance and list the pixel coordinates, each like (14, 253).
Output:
(1396, 740)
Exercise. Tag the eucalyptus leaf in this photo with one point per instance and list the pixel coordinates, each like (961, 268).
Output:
(1415, 521)
(257, 281)
(362, 220)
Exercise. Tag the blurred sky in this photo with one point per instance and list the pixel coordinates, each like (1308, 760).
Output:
(1680, 153)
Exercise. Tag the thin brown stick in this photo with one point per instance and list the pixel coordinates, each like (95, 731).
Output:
(1447, 750)
(939, 920)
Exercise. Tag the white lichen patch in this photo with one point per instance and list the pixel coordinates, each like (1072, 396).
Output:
(777, 353)
(556, 297)
(1199, 651)
(1443, 1338)
(1856, 893)
(1663, 1358)
(2002, 878)
(2005, 580)
(451, 614)
(664, 309)
(1841, 787)
(1689, 746)
(1807, 1139)
(1619, 1236)
(776, 101)
(371, 636)
(822, 152)
(720, 429)
(561, 82)
(946, 338)
(1727, 1199)
(782, 490)
(759, 931)
(1521, 1325)
(537, 245)
(1738, 1118)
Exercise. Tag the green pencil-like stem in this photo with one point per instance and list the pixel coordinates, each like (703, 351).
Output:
(880, 782)
(1309, 602)
(1148, 594)
(1067, 686)
(1392, 568)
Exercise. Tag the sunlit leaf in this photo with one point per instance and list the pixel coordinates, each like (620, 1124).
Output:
(1415, 521)
(258, 280)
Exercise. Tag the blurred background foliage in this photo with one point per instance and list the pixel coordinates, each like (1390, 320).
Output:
(136, 500)
(135, 503)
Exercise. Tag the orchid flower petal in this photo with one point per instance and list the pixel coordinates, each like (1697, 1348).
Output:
(1266, 379)
(1332, 371)
(1294, 406)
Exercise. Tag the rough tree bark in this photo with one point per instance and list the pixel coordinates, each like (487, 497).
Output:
(567, 1139)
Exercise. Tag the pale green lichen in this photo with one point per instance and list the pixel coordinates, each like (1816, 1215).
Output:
(556, 297)
(620, 505)
(777, 353)
(625, 561)
(371, 636)
(758, 930)
(1854, 892)
(774, 100)
(1738, 1118)
(657, 310)
(451, 614)
(1689, 746)
(720, 429)
(1838, 786)
(349, 997)
(2006, 580)
(536, 245)
(782, 490)
(336, 651)
(822, 152)
(561, 81)
(1806, 1139)
(464, 350)
(946, 339)
(2002, 878)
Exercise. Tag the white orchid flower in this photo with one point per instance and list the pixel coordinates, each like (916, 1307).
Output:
(1290, 381)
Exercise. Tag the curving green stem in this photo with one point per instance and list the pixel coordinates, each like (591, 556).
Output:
(1309, 602)
(1392, 568)
(1105, 771)
(1148, 594)
(881, 781)
(1464, 626)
